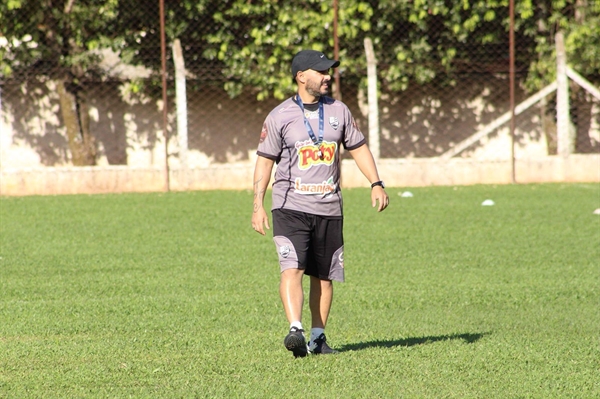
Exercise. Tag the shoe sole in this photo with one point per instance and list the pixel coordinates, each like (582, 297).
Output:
(327, 351)
(333, 352)
(296, 344)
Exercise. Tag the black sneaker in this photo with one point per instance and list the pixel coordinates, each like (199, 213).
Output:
(319, 346)
(296, 342)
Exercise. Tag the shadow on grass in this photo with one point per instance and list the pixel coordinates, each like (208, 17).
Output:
(468, 338)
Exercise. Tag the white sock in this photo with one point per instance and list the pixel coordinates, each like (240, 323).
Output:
(315, 333)
(296, 324)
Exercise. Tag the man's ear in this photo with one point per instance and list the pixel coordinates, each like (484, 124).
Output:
(300, 77)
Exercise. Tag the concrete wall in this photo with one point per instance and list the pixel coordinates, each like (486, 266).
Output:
(416, 126)
(422, 122)
(238, 176)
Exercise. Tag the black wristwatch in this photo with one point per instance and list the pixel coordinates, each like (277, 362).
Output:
(378, 183)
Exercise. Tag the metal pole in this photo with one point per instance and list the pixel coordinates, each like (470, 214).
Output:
(163, 53)
(512, 88)
(336, 52)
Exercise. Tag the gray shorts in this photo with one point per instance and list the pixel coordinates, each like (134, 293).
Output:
(309, 242)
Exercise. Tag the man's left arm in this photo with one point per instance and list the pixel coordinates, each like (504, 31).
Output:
(365, 162)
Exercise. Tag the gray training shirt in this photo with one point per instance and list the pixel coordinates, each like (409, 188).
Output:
(305, 181)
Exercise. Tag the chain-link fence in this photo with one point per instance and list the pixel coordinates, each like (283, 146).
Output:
(81, 82)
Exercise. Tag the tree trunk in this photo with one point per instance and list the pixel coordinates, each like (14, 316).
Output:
(75, 115)
(580, 7)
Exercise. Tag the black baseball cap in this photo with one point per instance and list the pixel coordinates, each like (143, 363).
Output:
(311, 59)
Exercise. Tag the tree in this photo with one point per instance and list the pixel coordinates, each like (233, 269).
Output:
(54, 40)
(580, 22)
(243, 44)
(416, 41)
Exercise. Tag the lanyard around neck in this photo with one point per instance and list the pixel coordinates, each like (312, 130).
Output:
(316, 141)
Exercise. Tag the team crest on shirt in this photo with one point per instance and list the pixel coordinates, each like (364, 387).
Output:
(308, 154)
(334, 122)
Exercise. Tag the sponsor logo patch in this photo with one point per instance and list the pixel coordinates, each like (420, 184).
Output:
(263, 133)
(311, 114)
(325, 188)
(308, 154)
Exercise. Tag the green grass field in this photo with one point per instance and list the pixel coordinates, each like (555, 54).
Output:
(175, 296)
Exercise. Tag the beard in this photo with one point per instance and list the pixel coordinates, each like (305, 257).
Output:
(314, 88)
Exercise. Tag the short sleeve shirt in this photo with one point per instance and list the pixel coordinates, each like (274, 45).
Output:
(305, 181)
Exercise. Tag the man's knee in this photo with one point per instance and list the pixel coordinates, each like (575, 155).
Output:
(292, 274)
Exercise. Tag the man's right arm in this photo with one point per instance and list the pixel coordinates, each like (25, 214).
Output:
(262, 176)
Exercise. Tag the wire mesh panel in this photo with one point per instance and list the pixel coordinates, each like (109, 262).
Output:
(70, 93)
(81, 81)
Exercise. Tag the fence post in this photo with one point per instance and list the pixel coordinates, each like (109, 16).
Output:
(372, 98)
(565, 143)
(337, 92)
(163, 56)
(511, 72)
(181, 107)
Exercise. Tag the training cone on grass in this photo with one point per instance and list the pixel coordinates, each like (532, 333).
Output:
(488, 202)
(597, 211)
(406, 194)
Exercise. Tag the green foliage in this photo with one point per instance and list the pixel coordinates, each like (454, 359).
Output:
(256, 41)
(416, 41)
(580, 23)
(250, 44)
(169, 295)
(42, 38)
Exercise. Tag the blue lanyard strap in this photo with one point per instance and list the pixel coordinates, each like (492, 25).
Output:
(311, 133)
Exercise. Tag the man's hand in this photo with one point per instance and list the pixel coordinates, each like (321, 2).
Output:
(379, 198)
(260, 220)
(262, 174)
(365, 162)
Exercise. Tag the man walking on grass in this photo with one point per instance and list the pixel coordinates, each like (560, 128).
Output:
(303, 136)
